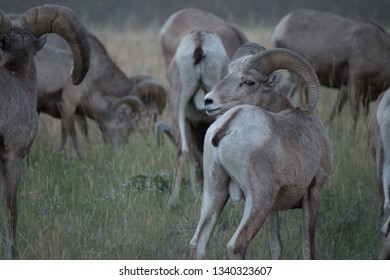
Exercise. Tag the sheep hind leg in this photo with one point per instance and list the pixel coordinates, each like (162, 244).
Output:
(215, 196)
(275, 242)
(67, 113)
(342, 98)
(257, 207)
(10, 177)
(193, 177)
(174, 197)
(310, 207)
(81, 121)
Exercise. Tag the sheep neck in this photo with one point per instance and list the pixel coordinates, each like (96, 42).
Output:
(278, 103)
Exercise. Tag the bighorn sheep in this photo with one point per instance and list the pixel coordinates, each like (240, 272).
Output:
(378, 141)
(181, 22)
(19, 41)
(346, 54)
(210, 66)
(274, 155)
(199, 63)
(98, 97)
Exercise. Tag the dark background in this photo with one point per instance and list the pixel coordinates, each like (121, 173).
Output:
(248, 12)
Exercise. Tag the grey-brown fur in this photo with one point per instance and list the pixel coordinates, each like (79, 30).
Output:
(346, 54)
(176, 27)
(179, 23)
(273, 155)
(20, 40)
(199, 63)
(97, 96)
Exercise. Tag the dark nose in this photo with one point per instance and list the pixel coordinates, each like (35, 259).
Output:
(208, 101)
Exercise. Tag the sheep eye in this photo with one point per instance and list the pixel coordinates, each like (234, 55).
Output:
(249, 83)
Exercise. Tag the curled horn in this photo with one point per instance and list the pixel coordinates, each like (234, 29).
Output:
(247, 49)
(274, 59)
(64, 22)
(152, 93)
(162, 127)
(133, 101)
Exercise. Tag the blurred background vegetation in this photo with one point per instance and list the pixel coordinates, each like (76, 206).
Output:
(246, 12)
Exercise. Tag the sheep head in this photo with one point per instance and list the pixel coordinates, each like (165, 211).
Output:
(38, 21)
(251, 80)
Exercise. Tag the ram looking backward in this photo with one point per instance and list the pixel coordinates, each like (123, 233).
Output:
(263, 149)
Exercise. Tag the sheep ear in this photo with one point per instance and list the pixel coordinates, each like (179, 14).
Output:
(41, 42)
(273, 79)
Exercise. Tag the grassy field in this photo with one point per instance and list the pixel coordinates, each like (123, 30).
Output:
(112, 203)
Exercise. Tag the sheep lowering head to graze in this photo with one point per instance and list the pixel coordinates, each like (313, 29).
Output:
(378, 141)
(98, 97)
(346, 54)
(262, 149)
(20, 40)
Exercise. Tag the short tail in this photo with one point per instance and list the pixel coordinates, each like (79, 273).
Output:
(198, 54)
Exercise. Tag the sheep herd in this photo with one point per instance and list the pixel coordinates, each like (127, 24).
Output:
(231, 118)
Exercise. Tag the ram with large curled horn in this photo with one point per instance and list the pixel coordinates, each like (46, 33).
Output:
(20, 40)
(263, 149)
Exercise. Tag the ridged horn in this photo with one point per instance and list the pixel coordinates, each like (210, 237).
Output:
(64, 22)
(275, 59)
(162, 127)
(152, 93)
(133, 101)
(250, 48)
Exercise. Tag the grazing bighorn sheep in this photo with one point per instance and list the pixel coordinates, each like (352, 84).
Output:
(98, 97)
(199, 63)
(20, 40)
(378, 141)
(274, 155)
(346, 54)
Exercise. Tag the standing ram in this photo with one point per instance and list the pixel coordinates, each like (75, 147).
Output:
(379, 144)
(262, 149)
(20, 40)
(100, 96)
(350, 55)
